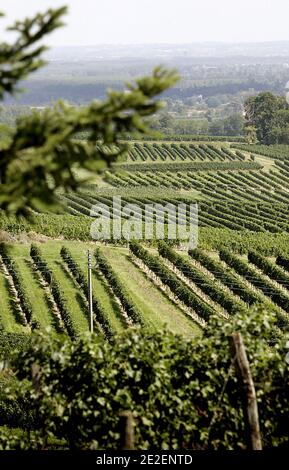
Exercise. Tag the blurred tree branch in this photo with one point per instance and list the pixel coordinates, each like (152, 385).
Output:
(42, 154)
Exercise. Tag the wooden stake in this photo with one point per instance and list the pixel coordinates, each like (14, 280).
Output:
(250, 401)
(90, 306)
(127, 430)
(35, 375)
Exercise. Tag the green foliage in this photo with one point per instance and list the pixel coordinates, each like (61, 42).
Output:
(173, 151)
(233, 125)
(278, 296)
(6, 133)
(13, 412)
(55, 289)
(19, 59)
(276, 152)
(229, 126)
(230, 303)
(168, 278)
(269, 268)
(81, 280)
(182, 394)
(226, 276)
(283, 260)
(211, 237)
(22, 298)
(42, 154)
(10, 342)
(266, 117)
(118, 289)
(250, 134)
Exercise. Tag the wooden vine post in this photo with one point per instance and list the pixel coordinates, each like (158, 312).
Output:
(126, 430)
(249, 396)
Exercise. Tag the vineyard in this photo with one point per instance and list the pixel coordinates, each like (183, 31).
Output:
(170, 152)
(145, 295)
(241, 260)
(234, 190)
(45, 286)
(144, 237)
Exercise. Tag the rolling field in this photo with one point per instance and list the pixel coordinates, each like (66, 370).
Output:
(157, 289)
(157, 286)
(144, 293)
(234, 189)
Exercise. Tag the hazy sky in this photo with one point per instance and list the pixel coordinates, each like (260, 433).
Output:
(91, 22)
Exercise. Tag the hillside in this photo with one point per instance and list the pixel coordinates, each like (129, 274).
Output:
(243, 206)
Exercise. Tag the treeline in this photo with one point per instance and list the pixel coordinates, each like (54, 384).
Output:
(226, 87)
(187, 138)
(44, 92)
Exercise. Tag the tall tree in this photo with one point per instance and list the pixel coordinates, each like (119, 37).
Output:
(269, 114)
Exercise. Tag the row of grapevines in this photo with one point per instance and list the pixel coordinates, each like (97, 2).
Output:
(221, 154)
(22, 296)
(268, 151)
(237, 154)
(184, 294)
(229, 216)
(269, 268)
(187, 151)
(118, 289)
(283, 261)
(209, 287)
(55, 289)
(183, 152)
(226, 276)
(275, 294)
(81, 280)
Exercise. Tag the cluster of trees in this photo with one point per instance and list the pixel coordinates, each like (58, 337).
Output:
(73, 87)
(267, 119)
(228, 126)
(218, 88)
